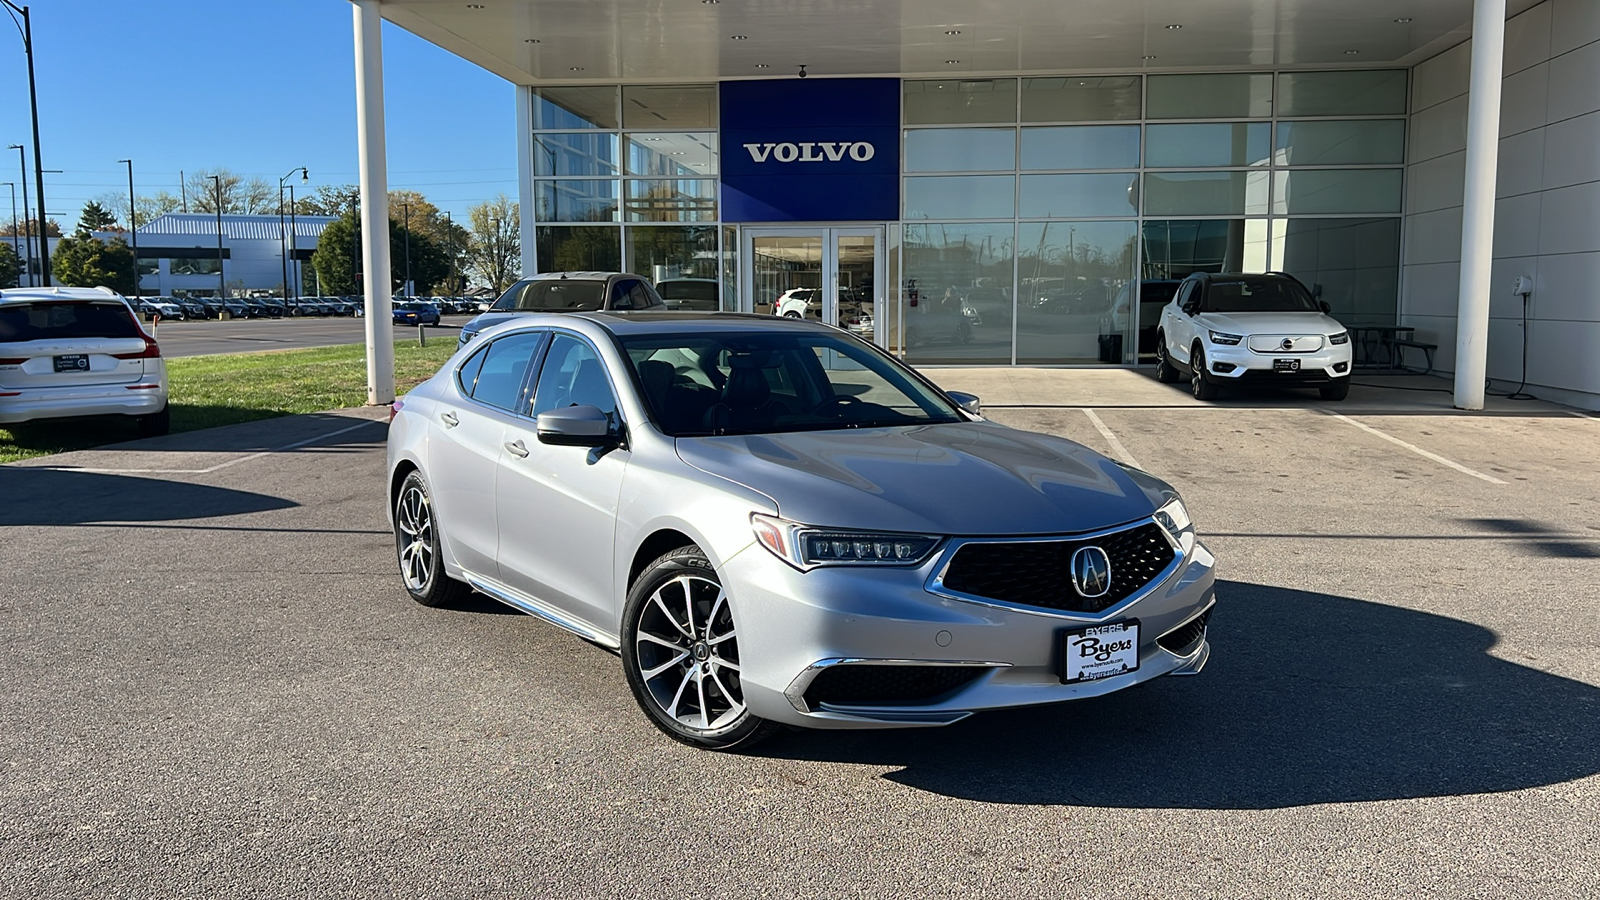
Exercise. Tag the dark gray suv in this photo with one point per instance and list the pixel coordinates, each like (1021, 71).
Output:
(559, 292)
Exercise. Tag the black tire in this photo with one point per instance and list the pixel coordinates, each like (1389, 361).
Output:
(1200, 383)
(1166, 372)
(1339, 390)
(156, 424)
(416, 541)
(693, 667)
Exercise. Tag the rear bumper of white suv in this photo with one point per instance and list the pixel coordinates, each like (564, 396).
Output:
(27, 405)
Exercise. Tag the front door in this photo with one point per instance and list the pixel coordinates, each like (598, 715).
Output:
(823, 273)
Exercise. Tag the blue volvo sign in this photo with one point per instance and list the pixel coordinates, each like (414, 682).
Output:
(817, 150)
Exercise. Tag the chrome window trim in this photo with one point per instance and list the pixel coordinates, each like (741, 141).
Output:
(796, 691)
(535, 362)
(935, 584)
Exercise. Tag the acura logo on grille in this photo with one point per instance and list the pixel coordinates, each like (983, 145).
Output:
(1091, 572)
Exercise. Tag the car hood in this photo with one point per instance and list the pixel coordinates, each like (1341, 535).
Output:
(1247, 323)
(486, 321)
(972, 478)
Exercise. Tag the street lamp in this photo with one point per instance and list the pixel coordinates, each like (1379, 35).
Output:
(305, 177)
(26, 28)
(450, 234)
(222, 278)
(13, 186)
(133, 227)
(27, 229)
(407, 208)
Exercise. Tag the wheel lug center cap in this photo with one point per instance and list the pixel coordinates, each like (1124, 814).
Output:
(701, 651)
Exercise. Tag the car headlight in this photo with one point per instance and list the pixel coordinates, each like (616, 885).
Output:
(1173, 517)
(1342, 337)
(806, 547)
(1218, 337)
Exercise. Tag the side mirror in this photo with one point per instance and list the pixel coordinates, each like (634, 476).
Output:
(967, 402)
(576, 426)
(1325, 306)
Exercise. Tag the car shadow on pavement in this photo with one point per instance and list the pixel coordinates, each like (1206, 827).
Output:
(1308, 698)
(39, 496)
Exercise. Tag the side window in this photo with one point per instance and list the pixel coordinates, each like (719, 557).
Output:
(622, 294)
(505, 363)
(467, 375)
(643, 297)
(1186, 293)
(573, 375)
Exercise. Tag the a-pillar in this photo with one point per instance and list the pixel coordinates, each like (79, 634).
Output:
(374, 177)
(1477, 209)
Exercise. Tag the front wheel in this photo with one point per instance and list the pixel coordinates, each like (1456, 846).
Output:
(680, 653)
(1336, 391)
(1200, 384)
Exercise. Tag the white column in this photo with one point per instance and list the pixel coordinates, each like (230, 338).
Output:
(373, 157)
(525, 177)
(1477, 209)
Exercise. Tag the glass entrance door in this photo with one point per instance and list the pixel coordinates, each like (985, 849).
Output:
(826, 274)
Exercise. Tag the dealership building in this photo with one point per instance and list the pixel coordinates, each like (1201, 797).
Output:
(1000, 182)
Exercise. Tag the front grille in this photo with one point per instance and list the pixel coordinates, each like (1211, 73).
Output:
(1039, 573)
(887, 685)
(1182, 640)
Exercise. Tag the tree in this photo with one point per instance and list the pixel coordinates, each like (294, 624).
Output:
(85, 261)
(239, 195)
(145, 209)
(328, 200)
(95, 218)
(31, 226)
(494, 247)
(339, 248)
(10, 266)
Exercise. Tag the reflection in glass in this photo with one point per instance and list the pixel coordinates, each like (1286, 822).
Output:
(968, 101)
(1300, 191)
(856, 261)
(1174, 249)
(1351, 143)
(671, 200)
(1342, 93)
(575, 200)
(673, 155)
(730, 269)
(1074, 196)
(590, 106)
(1233, 95)
(961, 197)
(961, 150)
(962, 275)
(202, 266)
(578, 248)
(1210, 144)
(1089, 98)
(1355, 261)
(656, 106)
(1070, 274)
(1205, 193)
(1081, 147)
(681, 260)
(786, 275)
(575, 154)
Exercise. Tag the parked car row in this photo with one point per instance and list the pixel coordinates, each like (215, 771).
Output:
(171, 309)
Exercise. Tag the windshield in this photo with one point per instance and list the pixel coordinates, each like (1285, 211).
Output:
(54, 320)
(684, 294)
(1258, 295)
(552, 295)
(765, 383)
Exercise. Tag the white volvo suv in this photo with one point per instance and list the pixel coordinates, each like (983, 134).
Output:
(1238, 329)
(67, 352)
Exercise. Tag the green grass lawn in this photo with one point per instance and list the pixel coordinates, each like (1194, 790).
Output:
(207, 391)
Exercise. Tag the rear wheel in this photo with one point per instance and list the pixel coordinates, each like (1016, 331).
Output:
(1337, 391)
(1200, 383)
(680, 653)
(1166, 372)
(416, 540)
(156, 424)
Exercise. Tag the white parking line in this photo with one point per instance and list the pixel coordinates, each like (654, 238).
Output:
(1419, 451)
(1116, 445)
(232, 462)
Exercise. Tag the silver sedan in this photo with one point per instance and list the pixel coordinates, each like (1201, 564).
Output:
(774, 522)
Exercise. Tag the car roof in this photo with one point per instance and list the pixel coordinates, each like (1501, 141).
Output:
(578, 276)
(626, 323)
(34, 294)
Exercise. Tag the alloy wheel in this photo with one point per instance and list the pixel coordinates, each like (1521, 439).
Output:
(688, 653)
(414, 522)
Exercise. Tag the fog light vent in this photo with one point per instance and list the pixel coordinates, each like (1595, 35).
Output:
(1340, 367)
(1223, 367)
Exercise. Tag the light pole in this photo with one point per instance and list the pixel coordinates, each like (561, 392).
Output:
(450, 234)
(26, 27)
(27, 229)
(407, 208)
(13, 186)
(133, 228)
(282, 255)
(222, 278)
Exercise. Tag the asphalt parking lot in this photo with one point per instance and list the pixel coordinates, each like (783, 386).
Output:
(198, 338)
(217, 688)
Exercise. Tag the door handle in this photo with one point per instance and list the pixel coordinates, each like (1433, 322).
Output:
(517, 448)
(449, 419)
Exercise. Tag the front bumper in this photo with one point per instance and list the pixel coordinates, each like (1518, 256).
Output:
(795, 625)
(1240, 363)
(140, 399)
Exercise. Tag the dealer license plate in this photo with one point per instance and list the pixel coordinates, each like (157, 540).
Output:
(1090, 654)
(77, 362)
(1286, 365)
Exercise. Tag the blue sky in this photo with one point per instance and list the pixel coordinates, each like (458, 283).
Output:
(258, 87)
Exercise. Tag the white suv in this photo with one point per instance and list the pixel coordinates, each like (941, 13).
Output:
(68, 352)
(1241, 329)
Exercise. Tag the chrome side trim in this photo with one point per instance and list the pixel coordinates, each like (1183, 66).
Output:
(519, 601)
(935, 584)
(796, 691)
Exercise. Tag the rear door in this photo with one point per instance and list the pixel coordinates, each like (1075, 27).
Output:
(70, 343)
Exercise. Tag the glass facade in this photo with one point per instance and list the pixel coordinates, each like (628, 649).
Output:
(1041, 217)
